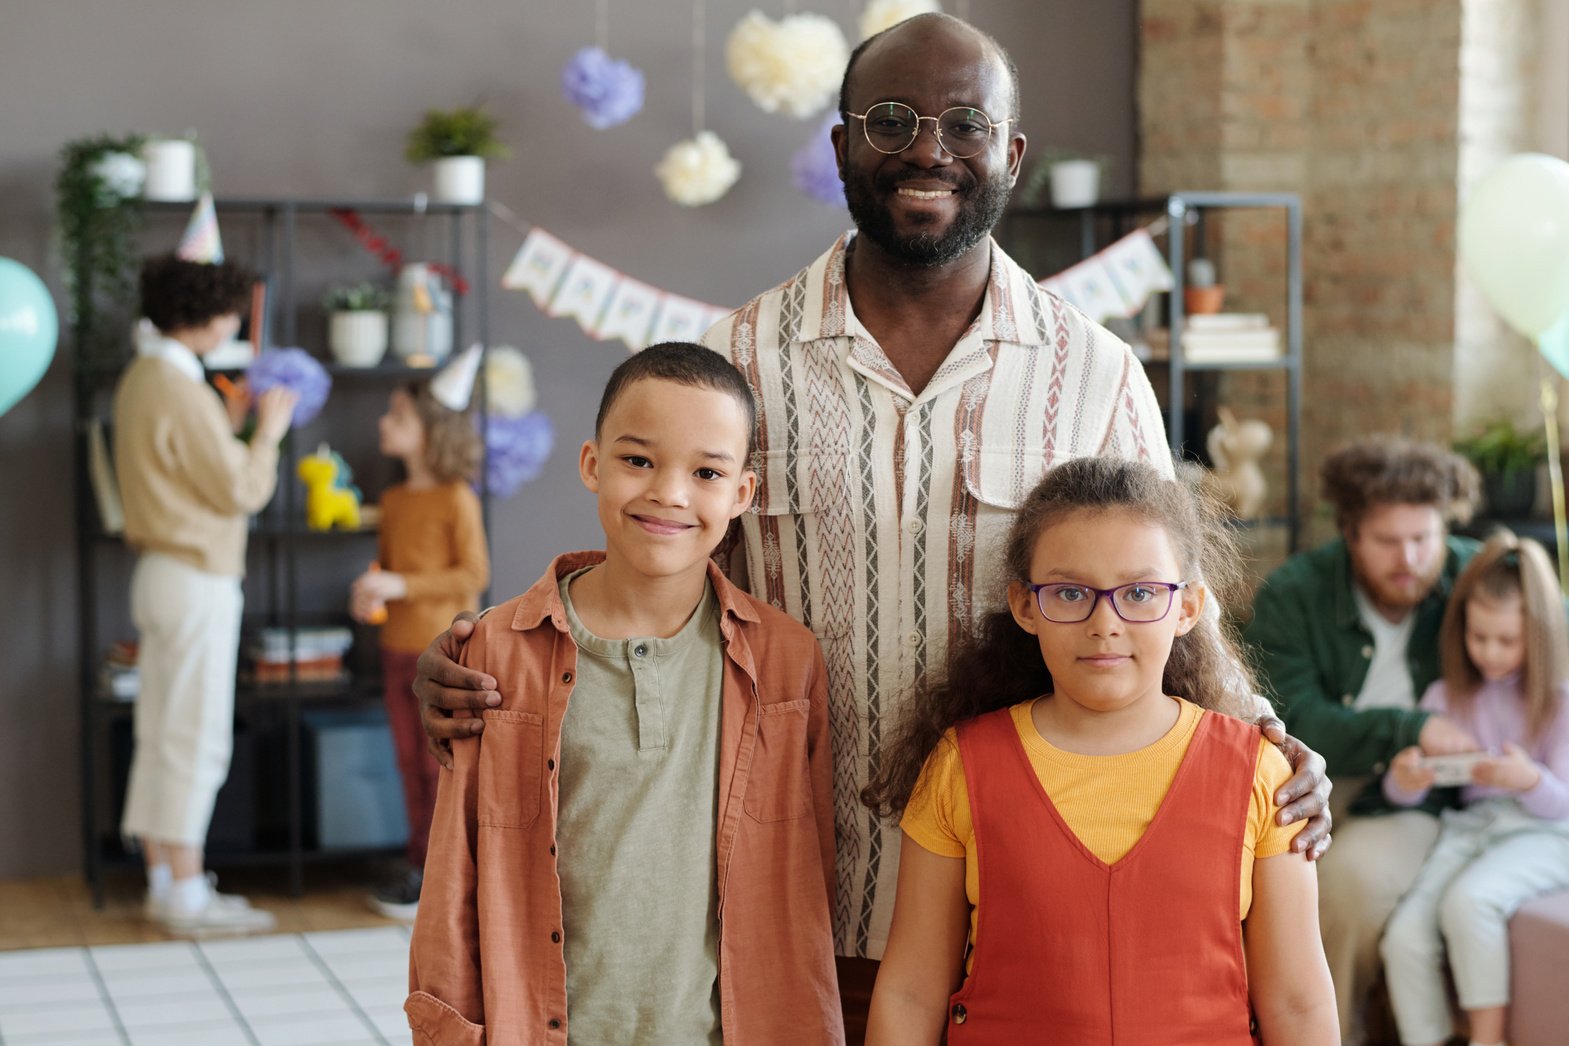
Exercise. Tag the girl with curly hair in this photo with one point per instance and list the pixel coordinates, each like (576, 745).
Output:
(1090, 842)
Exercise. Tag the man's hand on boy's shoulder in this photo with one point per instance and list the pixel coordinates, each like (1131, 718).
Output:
(443, 686)
(1306, 795)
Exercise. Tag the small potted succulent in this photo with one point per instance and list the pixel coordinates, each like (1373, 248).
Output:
(1202, 294)
(456, 143)
(357, 323)
(1507, 457)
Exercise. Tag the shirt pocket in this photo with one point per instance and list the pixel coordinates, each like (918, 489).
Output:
(998, 479)
(807, 531)
(779, 785)
(436, 1023)
(511, 768)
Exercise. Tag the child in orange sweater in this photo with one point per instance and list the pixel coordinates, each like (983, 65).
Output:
(431, 564)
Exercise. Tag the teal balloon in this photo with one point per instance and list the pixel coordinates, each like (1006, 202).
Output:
(29, 328)
(1554, 344)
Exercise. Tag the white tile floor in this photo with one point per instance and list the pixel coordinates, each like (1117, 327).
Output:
(344, 988)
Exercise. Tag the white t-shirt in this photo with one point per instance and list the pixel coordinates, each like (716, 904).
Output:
(1388, 683)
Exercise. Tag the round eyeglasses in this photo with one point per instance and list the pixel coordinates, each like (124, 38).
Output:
(1138, 603)
(892, 127)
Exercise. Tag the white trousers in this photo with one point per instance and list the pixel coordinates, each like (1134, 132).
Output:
(1360, 880)
(1490, 859)
(188, 624)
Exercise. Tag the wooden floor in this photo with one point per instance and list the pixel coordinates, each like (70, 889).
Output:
(57, 911)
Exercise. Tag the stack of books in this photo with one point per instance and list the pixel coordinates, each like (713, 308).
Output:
(316, 655)
(1221, 337)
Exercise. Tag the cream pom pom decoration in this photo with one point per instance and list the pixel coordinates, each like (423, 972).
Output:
(885, 14)
(792, 66)
(509, 382)
(699, 170)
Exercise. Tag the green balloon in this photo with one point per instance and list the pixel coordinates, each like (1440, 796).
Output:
(29, 328)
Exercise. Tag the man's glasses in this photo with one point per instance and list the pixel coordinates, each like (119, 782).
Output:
(892, 127)
(1139, 603)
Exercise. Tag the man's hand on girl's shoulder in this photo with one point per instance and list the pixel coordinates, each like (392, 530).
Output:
(1306, 796)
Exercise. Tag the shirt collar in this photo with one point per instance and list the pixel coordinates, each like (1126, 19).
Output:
(179, 354)
(542, 602)
(818, 301)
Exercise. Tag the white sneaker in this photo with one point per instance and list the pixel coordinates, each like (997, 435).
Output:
(224, 913)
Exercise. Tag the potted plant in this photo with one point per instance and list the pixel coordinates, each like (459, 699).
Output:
(98, 216)
(357, 323)
(456, 143)
(1507, 458)
(1203, 293)
(1066, 178)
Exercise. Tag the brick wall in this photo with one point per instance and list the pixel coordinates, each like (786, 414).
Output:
(1357, 106)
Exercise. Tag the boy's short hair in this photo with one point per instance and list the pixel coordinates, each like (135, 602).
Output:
(686, 364)
(182, 295)
(1388, 470)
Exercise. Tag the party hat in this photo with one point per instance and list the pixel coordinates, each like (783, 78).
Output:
(201, 242)
(454, 386)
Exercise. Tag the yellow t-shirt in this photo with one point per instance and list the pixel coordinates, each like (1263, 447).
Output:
(1107, 800)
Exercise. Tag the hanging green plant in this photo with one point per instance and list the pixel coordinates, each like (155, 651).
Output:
(99, 214)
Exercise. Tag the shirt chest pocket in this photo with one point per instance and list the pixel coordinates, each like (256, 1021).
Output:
(778, 787)
(997, 480)
(802, 557)
(511, 769)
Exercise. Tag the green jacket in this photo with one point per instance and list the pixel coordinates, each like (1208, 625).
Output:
(1312, 652)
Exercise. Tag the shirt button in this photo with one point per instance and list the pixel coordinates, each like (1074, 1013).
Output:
(552, 849)
(555, 937)
(566, 677)
(554, 1024)
(550, 764)
(640, 650)
(1379, 768)
(914, 638)
(916, 526)
(1347, 699)
(1367, 651)
(960, 1014)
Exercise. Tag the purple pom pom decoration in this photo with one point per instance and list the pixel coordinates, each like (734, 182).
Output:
(516, 450)
(292, 369)
(816, 168)
(608, 91)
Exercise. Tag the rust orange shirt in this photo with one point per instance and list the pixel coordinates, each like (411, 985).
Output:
(486, 964)
(435, 538)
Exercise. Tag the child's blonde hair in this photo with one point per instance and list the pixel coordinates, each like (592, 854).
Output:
(1505, 568)
(999, 664)
(452, 445)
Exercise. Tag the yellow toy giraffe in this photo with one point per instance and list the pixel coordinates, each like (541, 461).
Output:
(330, 500)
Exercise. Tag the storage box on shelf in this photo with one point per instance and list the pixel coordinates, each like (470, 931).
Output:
(299, 660)
(1184, 353)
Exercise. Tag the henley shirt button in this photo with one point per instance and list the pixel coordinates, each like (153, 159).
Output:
(1367, 651)
(960, 1014)
(640, 650)
(555, 936)
(1347, 699)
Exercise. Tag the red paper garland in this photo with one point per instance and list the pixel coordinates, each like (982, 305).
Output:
(389, 255)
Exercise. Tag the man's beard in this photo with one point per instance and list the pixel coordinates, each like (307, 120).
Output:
(980, 207)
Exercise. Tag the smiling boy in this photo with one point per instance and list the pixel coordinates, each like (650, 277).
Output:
(639, 847)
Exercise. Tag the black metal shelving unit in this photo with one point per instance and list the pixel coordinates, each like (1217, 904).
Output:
(277, 537)
(1187, 233)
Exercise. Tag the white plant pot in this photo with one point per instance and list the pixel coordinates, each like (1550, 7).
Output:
(171, 169)
(1075, 183)
(460, 179)
(357, 339)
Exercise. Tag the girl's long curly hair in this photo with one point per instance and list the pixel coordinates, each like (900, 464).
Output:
(998, 664)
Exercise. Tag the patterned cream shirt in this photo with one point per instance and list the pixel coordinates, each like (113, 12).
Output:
(881, 515)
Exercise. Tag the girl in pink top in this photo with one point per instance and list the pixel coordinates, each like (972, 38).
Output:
(1505, 650)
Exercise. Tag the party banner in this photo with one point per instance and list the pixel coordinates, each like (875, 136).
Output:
(630, 313)
(584, 292)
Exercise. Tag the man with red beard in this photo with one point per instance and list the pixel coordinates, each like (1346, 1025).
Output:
(1346, 637)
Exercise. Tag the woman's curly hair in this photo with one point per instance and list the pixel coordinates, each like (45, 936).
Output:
(183, 295)
(999, 664)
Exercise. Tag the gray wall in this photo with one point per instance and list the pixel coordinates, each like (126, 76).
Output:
(295, 98)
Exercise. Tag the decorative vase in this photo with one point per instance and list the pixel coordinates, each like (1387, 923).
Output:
(422, 318)
(460, 179)
(171, 169)
(1075, 183)
(357, 339)
(1200, 301)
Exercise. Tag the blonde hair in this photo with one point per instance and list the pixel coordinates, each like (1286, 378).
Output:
(1510, 566)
